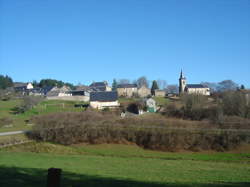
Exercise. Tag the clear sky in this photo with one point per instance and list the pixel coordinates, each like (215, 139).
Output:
(85, 40)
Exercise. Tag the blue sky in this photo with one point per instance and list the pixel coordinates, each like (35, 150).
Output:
(86, 40)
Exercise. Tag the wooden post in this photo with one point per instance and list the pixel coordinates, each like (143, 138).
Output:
(53, 178)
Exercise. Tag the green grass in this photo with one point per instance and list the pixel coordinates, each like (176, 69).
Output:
(45, 107)
(12, 138)
(161, 100)
(120, 165)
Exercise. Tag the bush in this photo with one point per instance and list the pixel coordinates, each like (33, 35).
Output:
(150, 131)
(234, 104)
(5, 121)
(28, 103)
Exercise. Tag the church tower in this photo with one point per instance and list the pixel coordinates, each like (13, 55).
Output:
(182, 83)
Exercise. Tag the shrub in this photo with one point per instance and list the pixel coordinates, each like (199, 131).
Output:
(5, 121)
(150, 131)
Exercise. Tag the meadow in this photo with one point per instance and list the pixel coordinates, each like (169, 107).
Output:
(121, 165)
(21, 121)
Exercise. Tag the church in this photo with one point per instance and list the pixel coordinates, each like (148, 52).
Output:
(192, 88)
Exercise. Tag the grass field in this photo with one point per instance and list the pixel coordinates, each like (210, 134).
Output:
(120, 165)
(45, 107)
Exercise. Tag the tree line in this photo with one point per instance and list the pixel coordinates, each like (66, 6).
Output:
(225, 85)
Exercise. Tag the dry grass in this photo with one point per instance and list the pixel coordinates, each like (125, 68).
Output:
(151, 131)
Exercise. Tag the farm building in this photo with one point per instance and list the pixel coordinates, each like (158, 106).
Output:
(100, 87)
(127, 90)
(144, 91)
(101, 100)
(159, 93)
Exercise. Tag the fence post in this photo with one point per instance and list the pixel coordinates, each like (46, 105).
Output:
(53, 178)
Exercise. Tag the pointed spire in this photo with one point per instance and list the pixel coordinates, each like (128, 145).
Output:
(181, 76)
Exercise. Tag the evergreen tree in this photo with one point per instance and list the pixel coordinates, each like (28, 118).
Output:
(242, 87)
(114, 85)
(154, 87)
(5, 82)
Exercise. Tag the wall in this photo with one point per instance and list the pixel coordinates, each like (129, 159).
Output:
(202, 91)
(69, 98)
(160, 93)
(101, 105)
(126, 92)
(144, 92)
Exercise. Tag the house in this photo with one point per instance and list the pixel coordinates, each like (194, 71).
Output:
(23, 87)
(192, 88)
(100, 87)
(58, 92)
(151, 105)
(127, 90)
(101, 100)
(36, 92)
(159, 93)
(144, 91)
(81, 91)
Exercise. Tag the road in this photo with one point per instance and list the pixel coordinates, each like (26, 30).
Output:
(11, 133)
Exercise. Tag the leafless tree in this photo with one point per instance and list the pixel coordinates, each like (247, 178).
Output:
(227, 85)
(123, 81)
(173, 88)
(142, 81)
(162, 84)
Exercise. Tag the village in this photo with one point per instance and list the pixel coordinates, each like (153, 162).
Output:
(100, 95)
(124, 93)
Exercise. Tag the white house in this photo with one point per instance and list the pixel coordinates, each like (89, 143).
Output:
(101, 100)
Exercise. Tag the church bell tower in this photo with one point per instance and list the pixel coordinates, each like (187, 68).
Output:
(182, 83)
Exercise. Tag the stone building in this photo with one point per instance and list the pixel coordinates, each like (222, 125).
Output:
(144, 91)
(101, 100)
(159, 93)
(127, 90)
(192, 88)
(100, 87)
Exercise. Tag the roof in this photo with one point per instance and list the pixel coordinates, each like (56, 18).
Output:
(82, 88)
(103, 96)
(127, 86)
(20, 84)
(98, 84)
(196, 86)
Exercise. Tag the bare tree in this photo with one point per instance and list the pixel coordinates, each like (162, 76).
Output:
(227, 85)
(212, 85)
(173, 88)
(162, 84)
(142, 81)
(123, 81)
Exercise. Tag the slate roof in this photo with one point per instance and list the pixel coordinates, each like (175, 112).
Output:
(195, 86)
(103, 96)
(98, 84)
(127, 86)
(20, 84)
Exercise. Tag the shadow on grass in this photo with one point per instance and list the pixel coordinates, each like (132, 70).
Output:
(31, 177)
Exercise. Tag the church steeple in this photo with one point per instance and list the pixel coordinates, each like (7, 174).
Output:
(182, 83)
(181, 75)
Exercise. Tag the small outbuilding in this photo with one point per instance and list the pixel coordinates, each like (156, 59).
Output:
(151, 105)
(101, 100)
(144, 91)
(159, 93)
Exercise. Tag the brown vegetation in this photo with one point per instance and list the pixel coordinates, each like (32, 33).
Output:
(149, 131)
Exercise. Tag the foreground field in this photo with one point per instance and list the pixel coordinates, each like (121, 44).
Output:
(120, 165)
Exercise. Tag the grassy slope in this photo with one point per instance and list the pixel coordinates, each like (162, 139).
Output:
(47, 106)
(106, 165)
